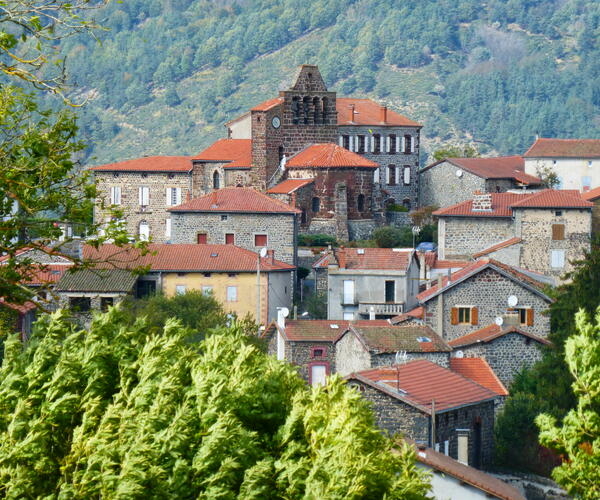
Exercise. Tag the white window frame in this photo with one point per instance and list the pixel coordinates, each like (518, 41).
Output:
(397, 172)
(144, 196)
(312, 378)
(372, 144)
(266, 235)
(348, 315)
(207, 290)
(115, 195)
(351, 143)
(232, 295)
(350, 293)
(557, 259)
(168, 228)
(388, 142)
(412, 143)
(376, 176)
(406, 176)
(403, 144)
(180, 289)
(397, 144)
(382, 144)
(144, 234)
(173, 196)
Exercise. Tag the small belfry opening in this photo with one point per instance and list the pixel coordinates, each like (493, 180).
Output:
(216, 180)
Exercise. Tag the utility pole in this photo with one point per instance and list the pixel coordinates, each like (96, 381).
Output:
(258, 290)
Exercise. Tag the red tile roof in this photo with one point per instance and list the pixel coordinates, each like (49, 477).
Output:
(20, 308)
(149, 164)
(325, 330)
(46, 274)
(498, 246)
(235, 199)
(591, 195)
(390, 338)
(238, 152)
(491, 485)
(367, 112)
(564, 148)
(491, 332)
(328, 155)
(416, 313)
(289, 186)
(476, 267)
(504, 203)
(432, 262)
(422, 381)
(478, 370)
(397, 259)
(183, 258)
(267, 105)
(500, 167)
(553, 198)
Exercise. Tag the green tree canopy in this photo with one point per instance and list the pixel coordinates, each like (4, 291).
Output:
(118, 411)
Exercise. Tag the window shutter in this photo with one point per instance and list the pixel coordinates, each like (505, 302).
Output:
(341, 141)
(474, 315)
(372, 144)
(376, 176)
(454, 316)
(558, 231)
(406, 175)
(403, 144)
(382, 144)
(397, 140)
(167, 228)
(529, 317)
(141, 195)
(178, 196)
(112, 195)
(397, 175)
(168, 195)
(387, 175)
(412, 144)
(351, 139)
(387, 144)
(356, 144)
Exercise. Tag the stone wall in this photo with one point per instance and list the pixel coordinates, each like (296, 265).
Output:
(281, 230)
(461, 237)
(398, 219)
(351, 355)
(361, 229)
(389, 359)
(441, 187)
(596, 217)
(488, 290)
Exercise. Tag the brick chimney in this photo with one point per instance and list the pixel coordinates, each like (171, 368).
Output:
(352, 112)
(482, 201)
(214, 199)
(383, 114)
(341, 258)
(271, 256)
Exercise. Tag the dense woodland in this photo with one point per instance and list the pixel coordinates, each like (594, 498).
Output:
(166, 74)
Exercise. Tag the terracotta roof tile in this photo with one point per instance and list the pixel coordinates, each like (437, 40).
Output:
(564, 148)
(368, 112)
(45, 275)
(397, 259)
(390, 338)
(267, 105)
(491, 485)
(498, 246)
(289, 186)
(149, 164)
(553, 198)
(478, 370)
(416, 313)
(499, 167)
(591, 195)
(501, 203)
(324, 330)
(184, 258)
(491, 332)
(422, 381)
(328, 155)
(238, 152)
(20, 308)
(236, 199)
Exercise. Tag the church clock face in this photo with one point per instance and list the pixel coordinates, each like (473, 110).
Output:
(276, 122)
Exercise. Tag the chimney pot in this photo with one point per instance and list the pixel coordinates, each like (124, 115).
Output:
(383, 114)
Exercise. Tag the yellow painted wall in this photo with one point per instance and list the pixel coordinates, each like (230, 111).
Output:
(246, 289)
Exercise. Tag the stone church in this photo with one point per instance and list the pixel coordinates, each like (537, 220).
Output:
(338, 161)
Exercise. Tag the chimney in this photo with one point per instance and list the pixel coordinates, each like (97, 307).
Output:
(293, 200)
(281, 317)
(271, 256)
(371, 313)
(449, 275)
(188, 196)
(440, 281)
(383, 114)
(352, 111)
(341, 258)
(214, 199)
(482, 201)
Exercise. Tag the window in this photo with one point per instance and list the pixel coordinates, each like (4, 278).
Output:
(360, 202)
(406, 203)
(376, 143)
(558, 213)
(318, 374)
(390, 291)
(318, 352)
(393, 149)
(557, 259)
(173, 196)
(346, 141)
(316, 205)
(105, 303)
(296, 110)
(324, 112)
(589, 163)
(407, 175)
(207, 290)
(558, 231)
(260, 240)
(179, 289)
(406, 144)
(376, 176)
(361, 144)
(229, 239)
(586, 183)
(144, 231)
(80, 304)
(317, 110)
(216, 180)
(144, 196)
(115, 174)
(232, 294)
(202, 238)
(525, 315)
(115, 195)
(167, 228)
(464, 315)
(206, 275)
(224, 217)
(305, 106)
(348, 294)
(391, 175)
(348, 316)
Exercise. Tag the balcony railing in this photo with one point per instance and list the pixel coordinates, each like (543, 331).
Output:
(379, 308)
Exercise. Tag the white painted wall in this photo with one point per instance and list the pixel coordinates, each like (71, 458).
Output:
(446, 487)
(241, 128)
(570, 170)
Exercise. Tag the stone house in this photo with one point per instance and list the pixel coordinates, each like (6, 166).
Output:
(227, 272)
(593, 196)
(479, 371)
(481, 294)
(450, 181)
(387, 138)
(238, 216)
(409, 398)
(145, 188)
(576, 162)
(507, 350)
(432, 267)
(370, 282)
(364, 347)
(543, 231)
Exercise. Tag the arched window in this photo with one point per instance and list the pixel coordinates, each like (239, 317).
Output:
(305, 106)
(324, 110)
(316, 204)
(317, 110)
(360, 202)
(376, 143)
(144, 231)
(216, 180)
(406, 203)
(296, 110)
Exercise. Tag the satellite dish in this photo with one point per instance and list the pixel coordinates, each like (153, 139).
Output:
(499, 321)
(459, 354)
(512, 301)
(285, 312)
(263, 252)
(459, 173)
